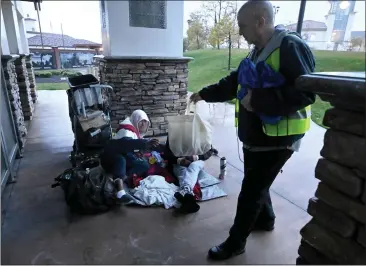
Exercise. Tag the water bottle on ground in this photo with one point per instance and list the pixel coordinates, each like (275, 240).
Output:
(222, 168)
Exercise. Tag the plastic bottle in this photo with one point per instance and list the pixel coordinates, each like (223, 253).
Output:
(222, 168)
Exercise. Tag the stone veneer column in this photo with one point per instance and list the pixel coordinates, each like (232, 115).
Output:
(31, 77)
(157, 86)
(24, 87)
(337, 232)
(11, 81)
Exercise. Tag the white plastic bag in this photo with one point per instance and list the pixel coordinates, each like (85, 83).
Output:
(189, 134)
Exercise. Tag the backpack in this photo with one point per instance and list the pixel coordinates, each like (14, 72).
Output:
(87, 191)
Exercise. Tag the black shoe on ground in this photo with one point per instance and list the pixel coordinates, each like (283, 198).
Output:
(225, 251)
(189, 203)
(179, 197)
(263, 227)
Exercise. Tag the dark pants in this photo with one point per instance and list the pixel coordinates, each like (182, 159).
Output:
(120, 166)
(254, 202)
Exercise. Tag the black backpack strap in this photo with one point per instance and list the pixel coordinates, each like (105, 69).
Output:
(60, 177)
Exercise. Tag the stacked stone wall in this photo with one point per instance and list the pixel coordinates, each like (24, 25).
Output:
(159, 87)
(11, 82)
(31, 77)
(24, 87)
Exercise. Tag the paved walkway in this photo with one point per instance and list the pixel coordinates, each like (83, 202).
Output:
(38, 229)
(297, 183)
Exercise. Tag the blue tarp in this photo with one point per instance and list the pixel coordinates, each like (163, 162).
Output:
(261, 75)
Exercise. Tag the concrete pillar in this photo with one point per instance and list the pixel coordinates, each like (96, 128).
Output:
(4, 38)
(125, 33)
(143, 59)
(330, 23)
(31, 77)
(24, 87)
(22, 34)
(14, 98)
(12, 28)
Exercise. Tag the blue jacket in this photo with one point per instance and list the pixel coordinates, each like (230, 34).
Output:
(251, 76)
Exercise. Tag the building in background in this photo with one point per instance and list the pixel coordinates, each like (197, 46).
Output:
(336, 32)
(56, 51)
(313, 32)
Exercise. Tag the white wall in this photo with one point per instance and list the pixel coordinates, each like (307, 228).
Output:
(22, 34)
(18, 4)
(317, 39)
(31, 25)
(12, 28)
(13, 36)
(119, 39)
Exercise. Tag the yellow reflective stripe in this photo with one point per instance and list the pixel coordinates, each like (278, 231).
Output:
(237, 111)
(287, 127)
(274, 60)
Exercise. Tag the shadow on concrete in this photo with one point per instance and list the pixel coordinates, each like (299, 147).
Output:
(38, 229)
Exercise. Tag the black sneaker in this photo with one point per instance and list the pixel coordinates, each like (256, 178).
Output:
(225, 251)
(179, 197)
(190, 204)
(188, 201)
(263, 227)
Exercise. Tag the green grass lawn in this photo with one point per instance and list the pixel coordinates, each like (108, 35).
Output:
(52, 86)
(209, 66)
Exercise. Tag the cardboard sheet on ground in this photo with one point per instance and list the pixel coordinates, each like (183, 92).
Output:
(208, 183)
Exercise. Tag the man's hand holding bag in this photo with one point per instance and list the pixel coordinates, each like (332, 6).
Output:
(189, 134)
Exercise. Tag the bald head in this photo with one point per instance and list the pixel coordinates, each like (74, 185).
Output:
(255, 20)
(257, 10)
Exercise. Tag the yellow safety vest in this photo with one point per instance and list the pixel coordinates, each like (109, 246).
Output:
(293, 124)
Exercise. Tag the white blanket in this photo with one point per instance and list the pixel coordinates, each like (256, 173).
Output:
(154, 190)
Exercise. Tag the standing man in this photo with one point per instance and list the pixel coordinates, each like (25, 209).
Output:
(266, 147)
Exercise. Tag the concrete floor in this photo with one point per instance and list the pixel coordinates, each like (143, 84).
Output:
(37, 228)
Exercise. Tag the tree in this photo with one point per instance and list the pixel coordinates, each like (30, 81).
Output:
(75, 60)
(42, 63)
(213, 37)
(51, 62)
(196, 33)
(235, 35)
(185, 44)
(220, 32)
(357, 42)
(217, 11)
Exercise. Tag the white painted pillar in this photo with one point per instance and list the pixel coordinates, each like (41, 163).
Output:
(23, 34)
(4, 38)
(12, 28)
(132, 28)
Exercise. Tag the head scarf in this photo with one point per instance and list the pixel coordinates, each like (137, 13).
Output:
(136, 117)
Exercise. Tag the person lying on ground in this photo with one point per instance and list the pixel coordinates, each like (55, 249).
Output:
(186, 169)
(122, 155)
